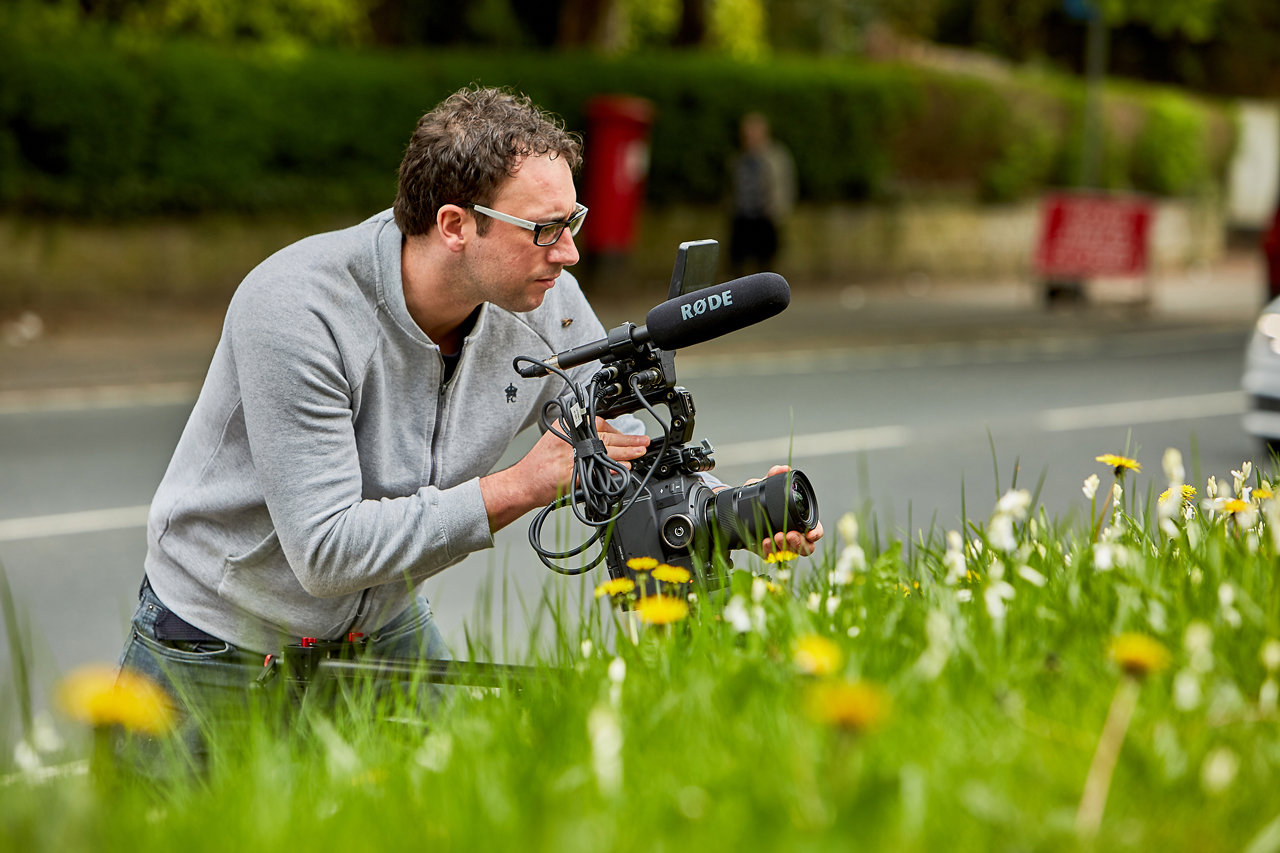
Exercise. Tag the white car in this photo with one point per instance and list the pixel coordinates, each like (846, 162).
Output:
(1262, 378)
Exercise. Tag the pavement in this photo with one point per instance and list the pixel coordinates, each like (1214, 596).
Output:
(155, 353)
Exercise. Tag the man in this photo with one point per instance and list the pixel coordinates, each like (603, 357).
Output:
(339, 452)
(764, 189)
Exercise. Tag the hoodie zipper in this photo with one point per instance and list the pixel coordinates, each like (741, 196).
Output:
(442, 397)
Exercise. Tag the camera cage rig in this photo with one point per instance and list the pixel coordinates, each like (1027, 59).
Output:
(686, 524)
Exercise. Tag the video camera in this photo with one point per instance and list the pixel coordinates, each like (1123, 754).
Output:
(662, 508)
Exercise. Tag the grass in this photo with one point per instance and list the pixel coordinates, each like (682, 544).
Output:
(973, 672)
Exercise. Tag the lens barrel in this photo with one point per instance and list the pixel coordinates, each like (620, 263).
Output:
(748, 515)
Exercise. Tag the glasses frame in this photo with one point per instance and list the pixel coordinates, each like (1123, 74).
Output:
(573, 224)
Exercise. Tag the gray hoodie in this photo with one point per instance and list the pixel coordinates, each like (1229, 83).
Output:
(325, 471)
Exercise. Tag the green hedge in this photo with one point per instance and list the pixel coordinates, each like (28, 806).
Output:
(100, 128)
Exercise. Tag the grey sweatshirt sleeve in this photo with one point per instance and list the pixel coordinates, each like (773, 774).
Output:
(298, 398)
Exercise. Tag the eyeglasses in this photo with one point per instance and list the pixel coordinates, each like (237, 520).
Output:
(546, 233)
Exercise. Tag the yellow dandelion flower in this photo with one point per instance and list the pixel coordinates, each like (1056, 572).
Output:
(1263, 492)
(776, 589)
(781, 557)
(662, 609)
(1188, 493)
(641, 564)
(1119, 463)
(853, 706)
(816, 655)
(1138, 654)
(100, 695)
(616, 586)
(1236, 505)
(671, 574)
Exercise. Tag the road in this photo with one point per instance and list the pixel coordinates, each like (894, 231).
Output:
(896, 430)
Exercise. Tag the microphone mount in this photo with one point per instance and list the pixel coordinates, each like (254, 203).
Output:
(623, 342)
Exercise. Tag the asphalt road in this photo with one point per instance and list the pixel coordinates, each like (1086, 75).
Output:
(895, 431)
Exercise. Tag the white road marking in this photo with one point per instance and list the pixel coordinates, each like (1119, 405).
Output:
(778, 450)
(1142, 412)
(100, 397)
(67, 523)
(769, 450)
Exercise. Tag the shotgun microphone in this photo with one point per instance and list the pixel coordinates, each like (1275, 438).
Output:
(691, 319)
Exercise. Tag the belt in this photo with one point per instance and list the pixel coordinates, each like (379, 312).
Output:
(171, 626)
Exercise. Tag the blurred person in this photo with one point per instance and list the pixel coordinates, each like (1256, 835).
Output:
(362, 390)
(764, 190)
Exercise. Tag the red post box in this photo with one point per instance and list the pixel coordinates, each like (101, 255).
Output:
(617, 160)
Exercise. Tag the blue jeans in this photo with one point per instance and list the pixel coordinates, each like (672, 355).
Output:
(203, 677)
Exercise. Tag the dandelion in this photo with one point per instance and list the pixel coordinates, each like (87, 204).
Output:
(1188, 493)
(1090, 486)
(662, 609)
(1235, 505)
(1263, 492)
(616, 586)
(642, 564)
(1120, 464)
(100, 696)
(816, 655)
(671, 574)
(853, 706)
(1139, 655)
(781, 556)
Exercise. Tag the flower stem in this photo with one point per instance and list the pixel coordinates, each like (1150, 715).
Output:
(1098, 783)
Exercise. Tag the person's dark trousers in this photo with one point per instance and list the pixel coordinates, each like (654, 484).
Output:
(206, 677)
(753, 243)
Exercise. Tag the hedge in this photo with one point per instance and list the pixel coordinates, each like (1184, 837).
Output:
(97, 127)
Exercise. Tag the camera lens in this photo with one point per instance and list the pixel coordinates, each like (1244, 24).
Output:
(746, 515)
(802, 502)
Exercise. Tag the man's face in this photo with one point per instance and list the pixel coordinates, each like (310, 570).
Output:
(505, 267)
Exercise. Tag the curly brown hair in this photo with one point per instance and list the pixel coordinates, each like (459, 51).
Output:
(464, 149)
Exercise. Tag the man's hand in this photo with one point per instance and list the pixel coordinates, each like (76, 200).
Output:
(545, 472)
(793, 540)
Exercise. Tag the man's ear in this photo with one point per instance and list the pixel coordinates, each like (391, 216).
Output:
(456, 225)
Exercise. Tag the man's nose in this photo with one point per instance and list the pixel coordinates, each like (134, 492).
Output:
(563, 251)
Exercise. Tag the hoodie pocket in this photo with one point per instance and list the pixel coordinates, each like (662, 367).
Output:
(262, 583)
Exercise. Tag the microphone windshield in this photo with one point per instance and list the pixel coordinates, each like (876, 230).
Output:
(717, 310)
